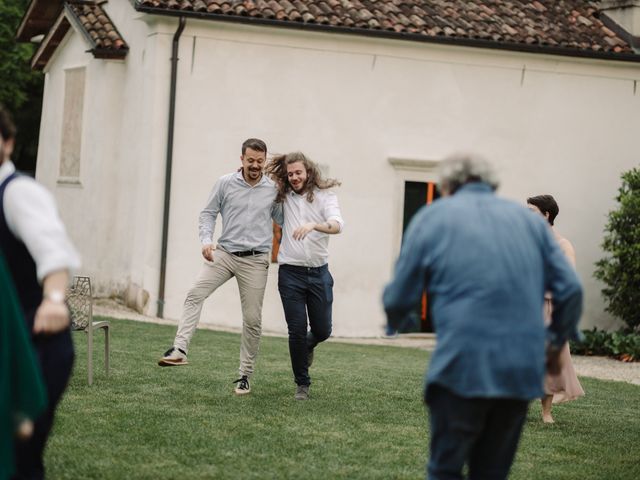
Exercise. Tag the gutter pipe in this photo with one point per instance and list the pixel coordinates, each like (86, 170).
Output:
(169, 163)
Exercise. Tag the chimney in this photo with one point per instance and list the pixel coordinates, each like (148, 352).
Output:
(623, 17)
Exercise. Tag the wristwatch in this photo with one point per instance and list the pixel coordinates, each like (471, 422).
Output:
(55, 296)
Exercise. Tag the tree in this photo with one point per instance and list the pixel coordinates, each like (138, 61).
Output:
(20, 87)
(620, 270)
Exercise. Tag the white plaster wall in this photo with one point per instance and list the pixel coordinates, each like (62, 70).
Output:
(550, 124)
(112, 213)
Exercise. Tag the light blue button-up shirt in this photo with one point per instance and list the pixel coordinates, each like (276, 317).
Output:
(246, 213)
(485, 263)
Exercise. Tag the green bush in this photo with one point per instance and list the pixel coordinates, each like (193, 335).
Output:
(620, 270)
(623, 344)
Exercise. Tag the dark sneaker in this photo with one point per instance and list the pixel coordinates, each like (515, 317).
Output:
(173, 357)
(243, 386)
(310, 358)
(302, 392)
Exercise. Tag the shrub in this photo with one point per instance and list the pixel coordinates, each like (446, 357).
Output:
(623, 344)
(620, 270)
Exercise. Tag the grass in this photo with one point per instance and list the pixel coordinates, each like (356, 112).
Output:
(365, 419)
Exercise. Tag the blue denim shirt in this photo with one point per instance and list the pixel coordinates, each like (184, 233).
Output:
(485, 263)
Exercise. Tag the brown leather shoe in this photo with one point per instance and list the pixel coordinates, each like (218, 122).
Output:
(302, 392)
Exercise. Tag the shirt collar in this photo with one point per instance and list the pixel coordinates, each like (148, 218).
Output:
(240, 177)
(304, 194)
(6, 169)
(475, 187)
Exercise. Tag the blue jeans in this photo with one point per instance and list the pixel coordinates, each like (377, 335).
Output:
(305, 290)
(482, 432)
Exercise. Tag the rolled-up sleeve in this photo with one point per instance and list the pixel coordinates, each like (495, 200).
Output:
(31, 215)
(332, 210)
(277, 212)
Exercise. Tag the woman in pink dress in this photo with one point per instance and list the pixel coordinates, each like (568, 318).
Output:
(564, 386)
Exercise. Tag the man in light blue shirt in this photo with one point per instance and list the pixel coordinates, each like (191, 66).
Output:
(245, 201)
(485, 263)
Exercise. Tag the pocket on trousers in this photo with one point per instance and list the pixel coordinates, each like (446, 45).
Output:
(215, 255)
(328, 287)
(281, 280)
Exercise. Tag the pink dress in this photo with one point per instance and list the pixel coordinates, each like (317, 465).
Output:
(565, 386)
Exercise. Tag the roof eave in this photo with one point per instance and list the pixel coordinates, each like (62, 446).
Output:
(50, 43)
(59, 30)
(465, 42)
(96, 50)
(30, 27)
(71, 15)
(110, 53)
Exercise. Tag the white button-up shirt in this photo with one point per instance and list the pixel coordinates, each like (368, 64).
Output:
(313, 250)
(31, 215)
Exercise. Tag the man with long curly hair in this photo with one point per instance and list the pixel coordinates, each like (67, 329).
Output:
(311, 214)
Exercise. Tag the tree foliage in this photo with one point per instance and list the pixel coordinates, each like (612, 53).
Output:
(20, 87)
(620, 270)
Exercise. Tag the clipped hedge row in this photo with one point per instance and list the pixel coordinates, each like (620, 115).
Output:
(623, 344)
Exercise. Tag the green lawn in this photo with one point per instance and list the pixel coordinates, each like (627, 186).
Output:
(365, 419)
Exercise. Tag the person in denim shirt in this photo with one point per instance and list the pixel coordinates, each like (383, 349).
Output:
(485, 263)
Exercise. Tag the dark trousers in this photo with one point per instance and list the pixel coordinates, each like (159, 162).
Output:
(305, 291)
(55, 356)
(482, 432)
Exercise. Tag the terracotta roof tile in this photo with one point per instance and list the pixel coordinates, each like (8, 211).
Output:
(554, 24)
(87, 16)
(98, 27)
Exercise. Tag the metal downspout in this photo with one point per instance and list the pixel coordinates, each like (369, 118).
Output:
(167, 180)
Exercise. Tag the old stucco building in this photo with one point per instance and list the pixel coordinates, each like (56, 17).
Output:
(378, 92)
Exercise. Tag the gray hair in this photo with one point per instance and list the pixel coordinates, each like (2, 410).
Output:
(462, 168)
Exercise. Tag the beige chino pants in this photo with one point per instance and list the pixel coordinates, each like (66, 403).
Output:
(251, 275)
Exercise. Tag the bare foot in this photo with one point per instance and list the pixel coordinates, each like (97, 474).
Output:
(547, 402)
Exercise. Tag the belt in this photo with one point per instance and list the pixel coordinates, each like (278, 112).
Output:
(301, 268)
(247, 253)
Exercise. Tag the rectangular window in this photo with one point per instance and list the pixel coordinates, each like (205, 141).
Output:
(72, 123)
